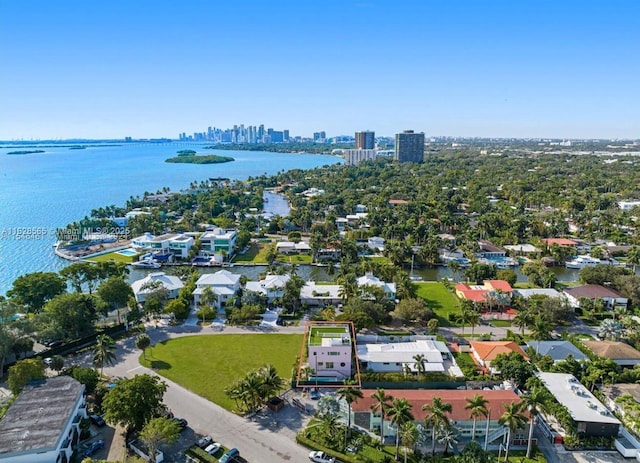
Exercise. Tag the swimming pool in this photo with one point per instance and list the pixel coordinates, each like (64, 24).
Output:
(128, 252)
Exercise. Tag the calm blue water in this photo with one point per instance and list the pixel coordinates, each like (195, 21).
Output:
(48, 190)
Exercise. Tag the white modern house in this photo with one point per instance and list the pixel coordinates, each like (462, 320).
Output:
(43, 423)
(218, 242)
(315, 295)
(375, 242)
(289, 247)
(403, 356)
(150, 283)
(329, 349)
(223, 283)
(368, 279)
(176, 244)
(272, 286)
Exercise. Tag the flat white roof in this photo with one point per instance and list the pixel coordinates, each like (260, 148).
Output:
(582, 404)
(402, 352)
(550, 292)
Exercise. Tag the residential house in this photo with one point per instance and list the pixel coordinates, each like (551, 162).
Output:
(610, 297)
(43, 424)
(488, 250)
(460, 417)
(428, 355)
(315, 295)
(175, 244)
(271, 287)
(485, 352)
(375, 243)
(223, 284)
(557, 350)
(328, 253)
(485, 293)
(592, 418)
(369, 280)
(219, 243)
(621, 353)
(153, 281)
(289, 247)
(522, 249)
(548, 292)
(616, 391)
(330, 351)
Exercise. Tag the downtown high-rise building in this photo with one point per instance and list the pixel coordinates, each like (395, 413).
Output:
(365, 140)
(409, 147)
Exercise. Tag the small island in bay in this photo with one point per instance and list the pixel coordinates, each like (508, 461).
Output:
(26, 152)
(190, 157)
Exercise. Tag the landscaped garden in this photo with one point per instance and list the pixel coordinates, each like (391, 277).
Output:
(111, 256)
(207, 365)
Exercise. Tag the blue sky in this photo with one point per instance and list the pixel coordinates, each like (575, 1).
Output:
(102, 69)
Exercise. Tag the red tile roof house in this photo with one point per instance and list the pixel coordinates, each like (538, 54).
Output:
(484, 352)
(610, 297)
(364, 417)
(482, 294)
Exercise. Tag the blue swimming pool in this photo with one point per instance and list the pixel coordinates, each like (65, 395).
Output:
(128, 252)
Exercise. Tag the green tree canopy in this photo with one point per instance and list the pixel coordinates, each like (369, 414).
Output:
(133, 402)
(24, 371)
(33, 290)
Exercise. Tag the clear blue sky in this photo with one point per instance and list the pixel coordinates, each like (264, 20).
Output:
(115, 68)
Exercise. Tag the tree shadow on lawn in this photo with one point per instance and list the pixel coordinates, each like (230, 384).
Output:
(288, 417)
(159, 365)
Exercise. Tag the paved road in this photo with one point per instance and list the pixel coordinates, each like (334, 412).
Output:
(266, 438)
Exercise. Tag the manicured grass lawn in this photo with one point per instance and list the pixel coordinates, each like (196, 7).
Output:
(206, 365)
(294, 259)
(112, 256)
(256, 254)
(501, 323)
(439, 299)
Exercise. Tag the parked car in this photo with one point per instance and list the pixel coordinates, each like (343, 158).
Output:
(93, 447)
(230, 456)
(97, 420)
(204, 441)
(48, 361)
(213, 448)
(181, 422)
(321, 457)
(314, 394)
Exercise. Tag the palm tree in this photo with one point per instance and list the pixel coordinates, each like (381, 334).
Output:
(409, 437)
(420, 367)
(477, 406)
(104, 352)
(207, 300)
(272, 383)
(382, 405)
(513, 419)
(437, 418)
(142, 342)
(349, 394)
(535, 401)
(448, 437)
(523, 319)
(399, 414)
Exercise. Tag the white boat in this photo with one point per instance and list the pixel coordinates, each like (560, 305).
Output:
(145, 263)
(582, 262)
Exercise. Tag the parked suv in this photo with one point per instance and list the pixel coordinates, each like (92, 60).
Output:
(230, 456)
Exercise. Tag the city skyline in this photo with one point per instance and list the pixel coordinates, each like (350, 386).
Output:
(497, 70)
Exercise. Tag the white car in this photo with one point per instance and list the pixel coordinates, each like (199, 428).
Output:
(213, 448)
(321, 457)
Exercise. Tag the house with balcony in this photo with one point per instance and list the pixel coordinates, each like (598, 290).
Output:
(460, 417)
(330, 351)
(43, 424)
(219, 243)
(176, 244)
(223, 284)
(152, 282)
(271, 287)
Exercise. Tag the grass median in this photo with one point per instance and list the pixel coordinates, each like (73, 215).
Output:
(206, 365)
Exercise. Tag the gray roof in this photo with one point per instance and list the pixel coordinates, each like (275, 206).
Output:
(557, 350)
(37, 418)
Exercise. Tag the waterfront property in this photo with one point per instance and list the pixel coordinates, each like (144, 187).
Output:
(315, 295)
(288, 247)
(178, 245)
(592, 418)
(223, 284)
(271, 287)
(43, 424)
(218, 243)
(152, 282)
(484, 293)
(460, 417)
(329, 351)
(368, 279)
(529, 292)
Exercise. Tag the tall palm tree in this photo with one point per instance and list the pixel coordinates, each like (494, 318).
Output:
(104, 352)
(409, 437)
(399, 414)
(513, 419)
(382, 404)
(207, 300)
(437, 418)
(272, 383)
(448, 437)
(419, 358)
(535, 401)
(349, 394)
(477, 406)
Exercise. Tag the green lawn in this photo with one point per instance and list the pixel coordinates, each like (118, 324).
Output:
(111, 256)
(501, 323)
(440, 300)
(206, 365)
(256, 254)
(294, 259)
